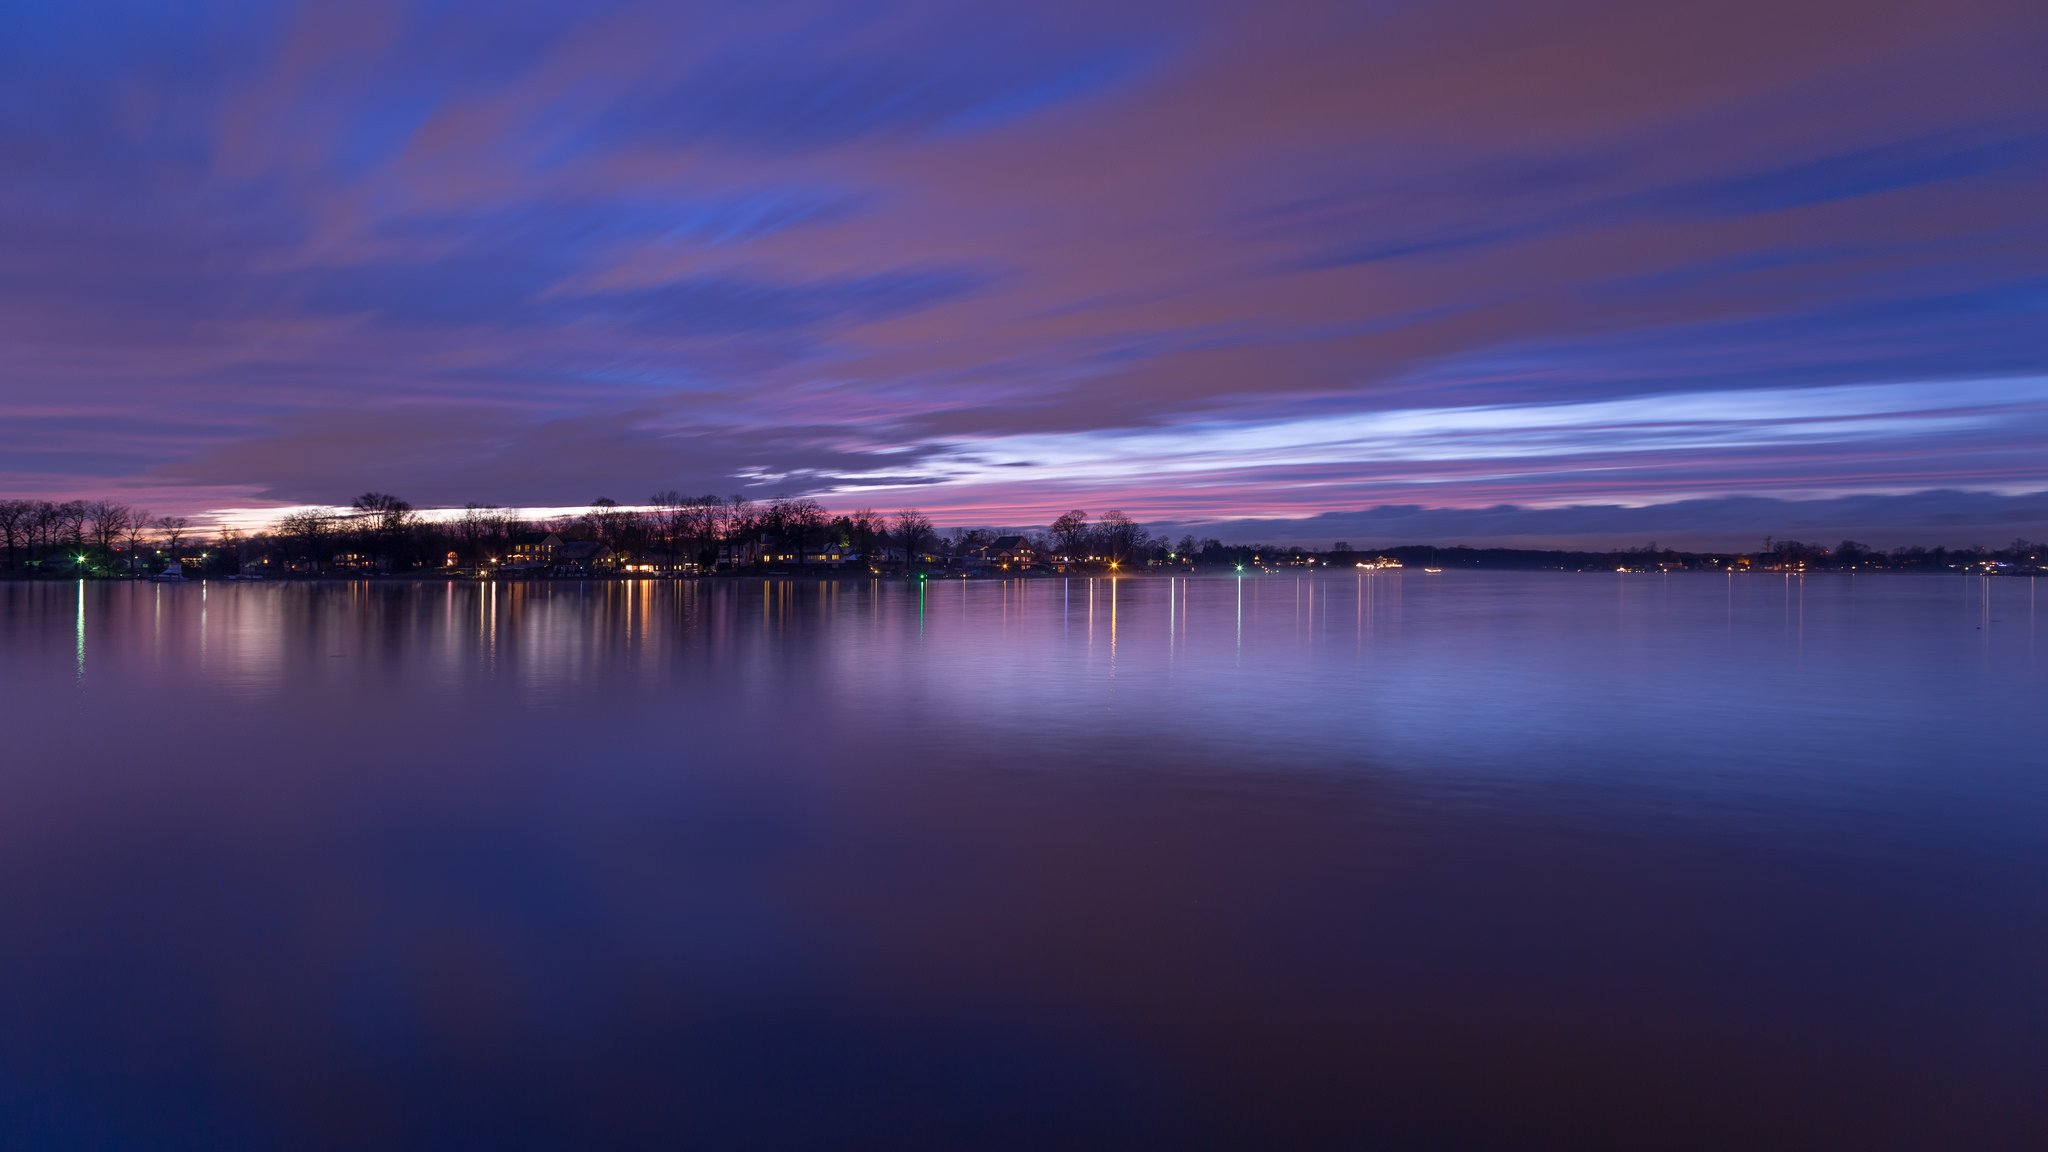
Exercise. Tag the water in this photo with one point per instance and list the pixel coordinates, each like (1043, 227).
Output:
(1612, 860)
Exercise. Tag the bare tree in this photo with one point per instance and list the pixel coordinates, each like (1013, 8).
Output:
(15, 518)
(227, 550)
(705, 523)
(799, 521)
(42, 527)
(866, 526)
(1070, 534)
(138, 524)
(671, 520)
(310, 532)
(612, 524)
(171, 530)
(478, 524)
(744, 524)
(1120, 537)
(385, 521)
(913, 528)
(106, 521)
(69, 519)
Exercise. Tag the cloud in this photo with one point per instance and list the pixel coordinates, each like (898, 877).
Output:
(1211, 259)
(449, 456)
(1937, 517)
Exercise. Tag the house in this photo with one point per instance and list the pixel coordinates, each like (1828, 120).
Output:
(582, 556)
(1012, 553)
(656, 562)
(831, 554)
(893, 554)
(533, 550)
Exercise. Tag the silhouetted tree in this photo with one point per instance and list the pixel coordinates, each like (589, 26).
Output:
(866, 526)
(385, 522)
(611, 525)
(671, 520)
(42, 528)
(15, 518)
(311, 532)
(913, 528)
(798, 521)
(106, 521)
(744, 524)
(69, 518)
(171, 530)
(1070, 533)
(479, 526)
(705, 523)
(1119, 537)
(138, 524)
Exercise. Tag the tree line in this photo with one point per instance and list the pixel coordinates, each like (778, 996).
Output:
(677, 532)
(671, 532)
(79, 534)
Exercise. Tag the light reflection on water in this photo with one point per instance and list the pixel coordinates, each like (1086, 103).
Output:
(1344, 857)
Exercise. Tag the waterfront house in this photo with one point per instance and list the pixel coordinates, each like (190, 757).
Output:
(580, 557)
(1012, 553)
(533, 550)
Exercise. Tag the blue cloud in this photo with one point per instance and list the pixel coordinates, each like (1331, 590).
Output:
(1848, 175)
(1948, 517)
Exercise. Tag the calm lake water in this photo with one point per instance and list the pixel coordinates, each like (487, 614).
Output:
(1593, 860)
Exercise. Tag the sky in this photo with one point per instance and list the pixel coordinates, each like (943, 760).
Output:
(1485, 270)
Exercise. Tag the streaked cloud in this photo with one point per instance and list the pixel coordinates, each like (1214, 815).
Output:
(1205, 260)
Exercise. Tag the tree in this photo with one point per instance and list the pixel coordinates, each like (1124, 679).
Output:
(40, 527)
(384, 521)
(1120, 538)
(1070, 534)
(912, 529)
(671, 520)
(866, 525)
(171, 530)
(705, 521)
(138, 523)
(15, 518)
(744, 524)
(609, 523)
(69, 520)
(107, 521)
(478, 524)
(310, 532)
(798, 521)
(227, 551)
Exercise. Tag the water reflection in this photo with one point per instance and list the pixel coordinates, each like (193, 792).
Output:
(592, 861)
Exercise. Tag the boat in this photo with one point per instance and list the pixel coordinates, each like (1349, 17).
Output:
(173, 573)
(1434, 571)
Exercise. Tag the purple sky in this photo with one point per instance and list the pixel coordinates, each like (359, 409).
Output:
(1205, 261)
